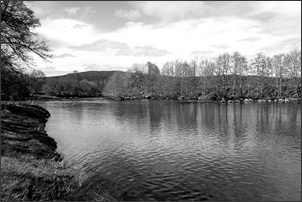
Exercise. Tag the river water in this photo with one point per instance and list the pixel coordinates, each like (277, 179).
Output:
(170, 150)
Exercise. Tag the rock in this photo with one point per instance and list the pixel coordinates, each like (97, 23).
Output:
(22, 131)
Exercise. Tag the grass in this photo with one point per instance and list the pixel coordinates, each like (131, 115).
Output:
(28, 178)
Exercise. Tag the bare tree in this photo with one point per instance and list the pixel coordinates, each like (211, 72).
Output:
(168, 69)
(117, 85)
(260, 66)
(239, 69)
(152, 77)
(293, 63)
(279, 72)
(223, 68)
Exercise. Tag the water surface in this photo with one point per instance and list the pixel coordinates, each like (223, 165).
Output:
(167, 150)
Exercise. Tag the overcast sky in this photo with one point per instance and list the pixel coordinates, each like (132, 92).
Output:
(108, 35)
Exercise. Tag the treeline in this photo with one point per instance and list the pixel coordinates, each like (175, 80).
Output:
(73, 85)
(229, 76)
(18, 85)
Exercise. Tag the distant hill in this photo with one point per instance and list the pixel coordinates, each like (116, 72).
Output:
(89, 75)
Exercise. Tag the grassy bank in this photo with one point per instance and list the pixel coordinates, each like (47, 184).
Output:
(31, 169)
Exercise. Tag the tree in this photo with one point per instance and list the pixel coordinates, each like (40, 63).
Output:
(167, 81)
(17, 41)
(46, 89)
(223, 68)
(293, 63)
(117, 85)
(137, 77)
(239, 70)
(209, 80)
(36, 81)
(168, 69)
(17, 38)
(278, 63)
(86, 86)
(14, 84)
(260, 66)
(152, 77)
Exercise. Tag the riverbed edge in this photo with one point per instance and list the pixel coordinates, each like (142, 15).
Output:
(31, 168)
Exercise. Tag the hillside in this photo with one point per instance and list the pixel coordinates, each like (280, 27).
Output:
(89, 75)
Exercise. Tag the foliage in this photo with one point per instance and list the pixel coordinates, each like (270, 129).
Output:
(117, 85)
(37, 79)
(17, 42)
(13, 84)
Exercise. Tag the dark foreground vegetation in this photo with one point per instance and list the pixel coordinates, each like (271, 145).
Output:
(31, 169)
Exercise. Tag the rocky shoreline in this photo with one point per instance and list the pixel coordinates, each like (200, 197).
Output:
(31, 169)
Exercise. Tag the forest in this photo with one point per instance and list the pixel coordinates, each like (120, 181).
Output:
(227, 77)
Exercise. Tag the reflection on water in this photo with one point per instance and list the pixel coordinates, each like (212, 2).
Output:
(167, 150)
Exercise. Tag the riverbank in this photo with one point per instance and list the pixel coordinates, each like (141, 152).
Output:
(31, 169)
(205, 98)
(201, 98)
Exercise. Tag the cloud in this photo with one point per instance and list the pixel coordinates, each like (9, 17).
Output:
(164, 31)
(277, 18)
(101, 45)
(220, 46)
(87, 12)
(67, 31)
(114, 67)
(90, 67)
(250, 39)
(52, 71)
(285, 44)
(294, 40)
(142, 51)
(167, 11)
(182, 37)
(259, 9)
(63, 55)
(57, 10)
(49, 68)
(72, 11)
(128, 14)
(41, 8)
(201, 52)
(79, 26)
(122, 48)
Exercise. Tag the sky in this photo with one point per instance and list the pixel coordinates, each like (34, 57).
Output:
(113, 35)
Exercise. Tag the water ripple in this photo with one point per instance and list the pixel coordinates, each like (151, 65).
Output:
(149, 150)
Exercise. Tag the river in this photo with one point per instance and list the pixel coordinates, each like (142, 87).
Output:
(170, 150)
